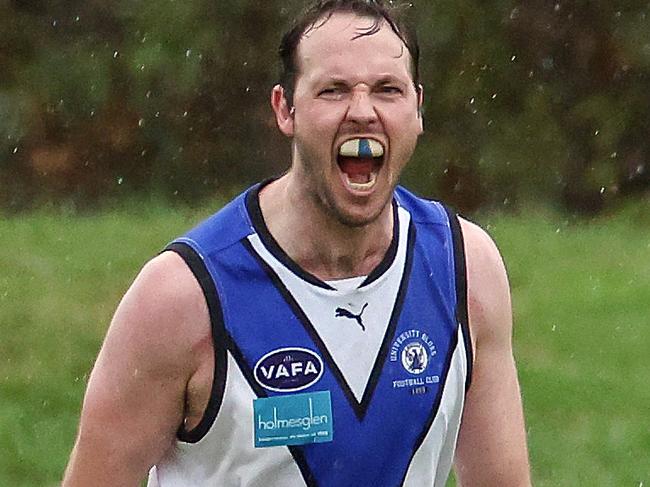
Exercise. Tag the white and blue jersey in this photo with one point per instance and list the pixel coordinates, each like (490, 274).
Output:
(358, 382)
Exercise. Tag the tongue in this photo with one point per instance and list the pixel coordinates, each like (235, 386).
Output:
(358, 169)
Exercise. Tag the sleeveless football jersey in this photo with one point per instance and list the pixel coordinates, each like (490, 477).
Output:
(318, 383)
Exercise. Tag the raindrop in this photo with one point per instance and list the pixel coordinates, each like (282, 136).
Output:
(553, 328)
(76, 19)
(157, 114)
(148, 95)
(602, 190)
(490, 123)
(640, 169)
(514, 13)
(115, 54)
(613, 155)
(54, 22)
(92, 113)
(596, 132)
(494, 96)
(188, 53)
(557, 7)
(513, 58)
(143, 153)
(471, 101)
(248, 89)
(142, 67)
(185, 114)
(557, 230)
(120, 180)
(15, 150)
(141, 122)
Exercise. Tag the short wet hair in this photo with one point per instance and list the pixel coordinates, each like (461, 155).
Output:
(321, 11)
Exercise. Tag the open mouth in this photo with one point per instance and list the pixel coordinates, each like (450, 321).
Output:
(360, 161)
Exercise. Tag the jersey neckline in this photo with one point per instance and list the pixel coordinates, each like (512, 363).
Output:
(252, 202)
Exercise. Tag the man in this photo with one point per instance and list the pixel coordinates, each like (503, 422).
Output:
(315, 331)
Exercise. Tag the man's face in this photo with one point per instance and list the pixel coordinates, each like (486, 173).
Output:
(347, 89)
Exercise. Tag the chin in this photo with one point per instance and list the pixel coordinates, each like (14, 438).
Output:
(357, 216)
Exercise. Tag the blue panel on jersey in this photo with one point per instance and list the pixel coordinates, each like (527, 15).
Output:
(296, 419)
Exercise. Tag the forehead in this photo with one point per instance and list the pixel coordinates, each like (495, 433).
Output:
(337, 47)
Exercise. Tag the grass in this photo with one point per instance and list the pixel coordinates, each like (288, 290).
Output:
(581, 294)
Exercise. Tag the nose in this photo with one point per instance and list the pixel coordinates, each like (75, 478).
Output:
(361, 109)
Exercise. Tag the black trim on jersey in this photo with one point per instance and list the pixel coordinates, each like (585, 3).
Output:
(359, 408)
(253, 207)
(255, 212)
(392, 324)
(461, 289)
(389, 258)
(296, 451)
(453, 343)
(197, 266)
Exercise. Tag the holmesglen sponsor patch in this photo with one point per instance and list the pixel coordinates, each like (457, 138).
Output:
(294, 419)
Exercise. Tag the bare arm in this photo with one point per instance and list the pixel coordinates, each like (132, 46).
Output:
(492, 441)
(136, 394)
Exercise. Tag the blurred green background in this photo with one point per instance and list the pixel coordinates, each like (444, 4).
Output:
(535, 100)
(124, 123)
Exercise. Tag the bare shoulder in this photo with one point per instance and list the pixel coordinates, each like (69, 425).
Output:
(158, 328)
(168, 290)
(164, 308)
(487, 284)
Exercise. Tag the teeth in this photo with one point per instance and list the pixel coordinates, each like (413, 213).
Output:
(362, 186)
(361, 148)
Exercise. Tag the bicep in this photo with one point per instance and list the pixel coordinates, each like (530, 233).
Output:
(135, 397)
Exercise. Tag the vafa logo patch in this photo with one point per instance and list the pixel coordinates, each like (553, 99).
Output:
(288, 369)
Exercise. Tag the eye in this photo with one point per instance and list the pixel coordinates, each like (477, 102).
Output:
(329, 91)
(333, 92)
(390, 90)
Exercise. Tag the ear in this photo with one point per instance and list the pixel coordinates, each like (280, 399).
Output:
(420, 105)
(283, 113)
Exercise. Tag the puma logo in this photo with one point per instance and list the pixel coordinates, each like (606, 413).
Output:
(344, 313)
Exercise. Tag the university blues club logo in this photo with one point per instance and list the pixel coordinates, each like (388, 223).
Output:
(413, 352)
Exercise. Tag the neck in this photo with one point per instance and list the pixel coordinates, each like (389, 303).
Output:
(317, 242)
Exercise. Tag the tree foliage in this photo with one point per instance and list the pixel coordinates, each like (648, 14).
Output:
(523, 100)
